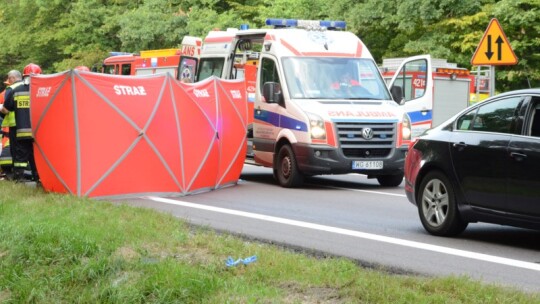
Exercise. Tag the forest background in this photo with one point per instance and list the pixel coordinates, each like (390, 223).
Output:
(60, 35)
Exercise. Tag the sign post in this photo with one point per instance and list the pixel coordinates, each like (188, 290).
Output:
(493, 50)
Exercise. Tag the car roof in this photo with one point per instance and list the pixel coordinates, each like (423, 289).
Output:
(534, 91)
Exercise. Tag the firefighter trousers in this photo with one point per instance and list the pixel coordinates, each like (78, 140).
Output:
(23, 158)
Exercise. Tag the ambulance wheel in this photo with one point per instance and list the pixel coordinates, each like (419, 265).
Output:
(286, 168)
(390, 180)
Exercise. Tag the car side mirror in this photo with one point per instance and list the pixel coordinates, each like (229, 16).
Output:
(272, 93)
(397, 94)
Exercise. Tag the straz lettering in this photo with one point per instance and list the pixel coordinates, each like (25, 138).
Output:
(201, 93)
(23, 102)
(361, 114)
(129, 90)
(43, 92)
(236, 94)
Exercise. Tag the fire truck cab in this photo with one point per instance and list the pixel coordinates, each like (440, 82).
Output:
(157, 61)
(120, 63)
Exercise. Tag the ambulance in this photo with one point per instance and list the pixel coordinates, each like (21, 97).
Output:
(191, 51)
(319, 102)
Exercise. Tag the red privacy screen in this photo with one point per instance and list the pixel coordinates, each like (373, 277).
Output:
(99, 135)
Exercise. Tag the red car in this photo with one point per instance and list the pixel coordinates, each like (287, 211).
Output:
(482, 165)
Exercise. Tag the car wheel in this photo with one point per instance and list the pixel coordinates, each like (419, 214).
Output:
(286, 168)
(437, 206)
(390, 180)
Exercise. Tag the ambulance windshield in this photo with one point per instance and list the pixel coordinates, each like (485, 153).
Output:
(334, 78)
(210, 67)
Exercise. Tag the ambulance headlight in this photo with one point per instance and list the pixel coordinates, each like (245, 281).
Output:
(316, 126)
(406, 128)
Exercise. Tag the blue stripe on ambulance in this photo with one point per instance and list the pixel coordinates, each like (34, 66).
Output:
(363, 120)
(281, 121)
(418, 116)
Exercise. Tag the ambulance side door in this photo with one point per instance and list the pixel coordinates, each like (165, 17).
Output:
(415, 77)
(267, 114)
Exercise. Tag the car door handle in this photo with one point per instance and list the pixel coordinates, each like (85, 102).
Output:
(459, 146)
(518, 156)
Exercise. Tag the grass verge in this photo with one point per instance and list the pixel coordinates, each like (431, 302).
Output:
(64, 249)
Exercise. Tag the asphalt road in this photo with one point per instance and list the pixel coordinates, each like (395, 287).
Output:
(353, 217)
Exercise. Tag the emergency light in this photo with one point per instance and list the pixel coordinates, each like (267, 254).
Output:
(457, 71)
(278, 23)
(119, 53)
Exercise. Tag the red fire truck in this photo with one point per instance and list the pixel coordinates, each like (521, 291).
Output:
(155, 61)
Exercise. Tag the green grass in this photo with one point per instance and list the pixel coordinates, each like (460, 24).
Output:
(64, 249)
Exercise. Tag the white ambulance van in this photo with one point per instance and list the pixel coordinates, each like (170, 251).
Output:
(320, 105)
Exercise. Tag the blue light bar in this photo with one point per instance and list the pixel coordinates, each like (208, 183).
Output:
(282, 22)
(119, 53)
(334, 24)
(306, 23)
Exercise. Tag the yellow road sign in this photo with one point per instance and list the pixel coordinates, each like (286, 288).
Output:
(494, 48)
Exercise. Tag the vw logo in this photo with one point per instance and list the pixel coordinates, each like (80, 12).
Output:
(367, 133)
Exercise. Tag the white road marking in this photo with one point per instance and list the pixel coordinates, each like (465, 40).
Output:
(366, 191)
(358, 234)
(340, 188)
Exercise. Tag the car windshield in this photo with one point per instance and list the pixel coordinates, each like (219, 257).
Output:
(334, 78)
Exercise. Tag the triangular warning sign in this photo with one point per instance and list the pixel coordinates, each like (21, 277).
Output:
(494, 48)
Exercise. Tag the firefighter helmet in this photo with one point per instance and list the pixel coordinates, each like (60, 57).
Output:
(82, 68)
(31, 69)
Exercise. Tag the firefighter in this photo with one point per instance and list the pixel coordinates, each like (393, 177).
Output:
(6, 162)
(18, 102)
(8, 124)
(82, 68)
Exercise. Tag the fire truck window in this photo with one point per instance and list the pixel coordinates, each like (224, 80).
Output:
(269, 72)
(126, 69)
(108, 69)
(412, 78)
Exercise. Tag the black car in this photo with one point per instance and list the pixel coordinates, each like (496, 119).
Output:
(482, 165)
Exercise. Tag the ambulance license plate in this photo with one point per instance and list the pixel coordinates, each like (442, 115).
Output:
(367, 165)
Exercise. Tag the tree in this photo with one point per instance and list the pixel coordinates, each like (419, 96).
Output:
(299, 9)
(59, 35)
(206, 15)
(29, 34)
(152, 25)
(520, 21)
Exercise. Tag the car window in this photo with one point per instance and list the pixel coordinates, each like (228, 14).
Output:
(464, 122)
(499, 117)
(534, 129)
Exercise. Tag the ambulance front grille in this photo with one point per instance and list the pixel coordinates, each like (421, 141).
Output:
(354, 145)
